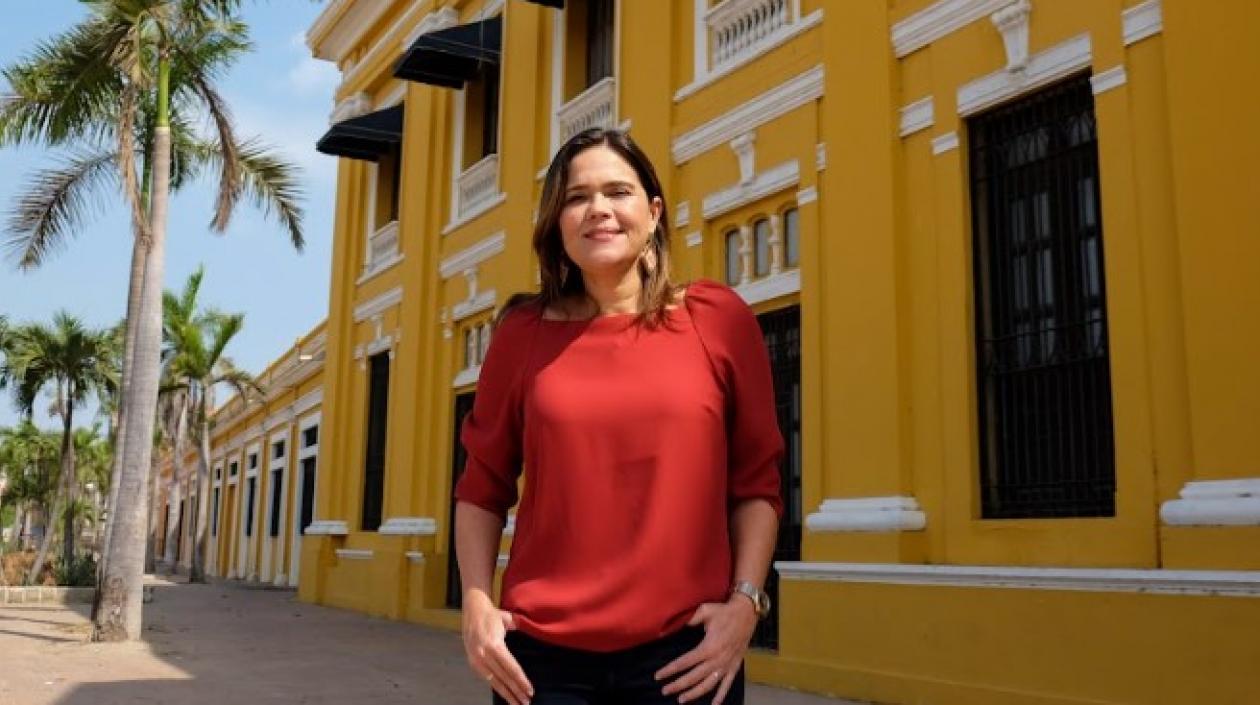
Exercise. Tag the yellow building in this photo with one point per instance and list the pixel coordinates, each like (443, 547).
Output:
(1006, 256)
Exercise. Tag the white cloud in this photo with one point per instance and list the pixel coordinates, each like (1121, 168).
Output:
(308, 75)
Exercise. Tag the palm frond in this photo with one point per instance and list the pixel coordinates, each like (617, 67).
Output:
(54, 204)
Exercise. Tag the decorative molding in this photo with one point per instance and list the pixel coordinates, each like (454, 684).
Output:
(682, 214)
(355, 554)
(327, 527)
(466, 376)
(474, 214)
(308, 401)
(378, 305)
(438, 19)
(472, 256)
(389, 41)
(917, 116)
(809, 194)
(1012, 22)
(414, 556)
(593, 107)
(705, 77)
(695, 239)
(1178, 582)
(894, 513)
(776, 102)
(342, 26)
(771, 181)
(509, 526)
(477, 187)
(1142, 21)
(945, 143)
(820, 156)
(1215, 503)
(351, 106)
(408, 526)
(280, 418)
(1045, 67)
(744, 147)
(771, 287)
(1111, 78)
(501, 561)
(378, 344)
(938, 20)
(474, 305)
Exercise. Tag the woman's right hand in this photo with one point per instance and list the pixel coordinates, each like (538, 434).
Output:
(485, 626)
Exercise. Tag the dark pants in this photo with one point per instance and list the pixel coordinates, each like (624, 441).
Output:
(563, 676)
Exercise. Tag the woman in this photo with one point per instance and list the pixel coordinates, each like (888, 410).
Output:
(642, 415)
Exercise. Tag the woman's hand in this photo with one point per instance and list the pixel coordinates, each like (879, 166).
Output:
(484, 627)
(728, 627)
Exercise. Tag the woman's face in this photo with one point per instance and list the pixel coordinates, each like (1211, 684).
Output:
(607, 218)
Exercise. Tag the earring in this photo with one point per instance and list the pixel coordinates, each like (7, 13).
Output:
(649, 260)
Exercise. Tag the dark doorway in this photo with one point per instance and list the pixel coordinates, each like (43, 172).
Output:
(454, 589)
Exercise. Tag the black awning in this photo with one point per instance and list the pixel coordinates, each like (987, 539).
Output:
(449, 57)
(366, 137)
(558, 4)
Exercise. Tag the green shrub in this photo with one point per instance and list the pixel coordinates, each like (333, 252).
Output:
(80, 573)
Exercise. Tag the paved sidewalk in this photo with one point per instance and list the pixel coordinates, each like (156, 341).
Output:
(223, 643)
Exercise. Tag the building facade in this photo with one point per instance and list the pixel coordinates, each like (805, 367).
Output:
(1005, 257)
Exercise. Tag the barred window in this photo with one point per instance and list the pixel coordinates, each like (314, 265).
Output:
(1042, 352)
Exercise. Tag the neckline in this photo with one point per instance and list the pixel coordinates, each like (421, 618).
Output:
(670, 312)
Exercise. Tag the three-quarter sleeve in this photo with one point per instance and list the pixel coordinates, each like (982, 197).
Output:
(734, 343)
(492, 431)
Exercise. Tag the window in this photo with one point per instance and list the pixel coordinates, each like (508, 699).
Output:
(276, 493)
(308, 494)
(388, 187)
(761, 247)
(232, 469)
(1043, 363)
(218, 474)
(253, 461)
(277, 450)
(214, 513)
(599, 40)
(310, 436)
(249, 505)
(792, 237)
(734, 260)
(374, 464)
(481, 116)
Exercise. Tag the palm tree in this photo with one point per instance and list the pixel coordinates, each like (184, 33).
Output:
(75, 361)
(92, 86)
(197, 364)
(29, 458)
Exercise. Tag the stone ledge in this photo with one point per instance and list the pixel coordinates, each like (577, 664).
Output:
(41, 595)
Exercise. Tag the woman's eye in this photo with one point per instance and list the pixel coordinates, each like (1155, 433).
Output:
(574, 198)
(621, 193)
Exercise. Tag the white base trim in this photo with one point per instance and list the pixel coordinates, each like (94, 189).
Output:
(917, 116)
(770, 287)
(414, 556)
(1111, 78)
(807, 195)
(1043, 68)
(466, 377)
(355, 554)
(1215, 503)
(379, 268)
(408, 526)
(501, 561)
(695, 239)
(945, 143)
(1180, 582)
(327, 527)
(896, 513)
(509, 528)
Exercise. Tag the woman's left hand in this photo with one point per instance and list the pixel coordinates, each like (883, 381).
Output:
(728, 627)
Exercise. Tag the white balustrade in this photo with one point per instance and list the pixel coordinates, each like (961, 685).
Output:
(592, 107)
(478, 185)
(739, 27)
(383, 245)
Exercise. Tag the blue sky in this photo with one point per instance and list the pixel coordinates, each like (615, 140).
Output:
(278, 93)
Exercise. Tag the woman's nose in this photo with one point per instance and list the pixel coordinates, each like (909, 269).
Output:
(600, 205)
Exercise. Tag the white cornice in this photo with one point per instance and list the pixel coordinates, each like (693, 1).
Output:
(695, 239)
(807, 195)
(389, 41)
(1185, 582)
(355, 554)
(380, 304)
(774, 103)
(342, 26)
(768, 182)
(1043, 68)
(1215, 503)
(938, 20)
(414, 556)
(682, 214)
(327, 527)
(466, 376)
(483, 301)
(472, 256)
(771, 287)
(876, 514)
(917, 116)
(1111, 78)
(409, 526)
(308, 401)
(1142, 21)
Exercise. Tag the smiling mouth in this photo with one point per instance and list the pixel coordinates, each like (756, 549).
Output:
(602, 234)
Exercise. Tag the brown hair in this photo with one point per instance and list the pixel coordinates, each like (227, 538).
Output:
(560, 278)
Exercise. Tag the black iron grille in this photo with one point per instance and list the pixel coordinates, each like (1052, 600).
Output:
(1041, 316)
(782, 332)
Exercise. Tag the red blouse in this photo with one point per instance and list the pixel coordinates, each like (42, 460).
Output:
(635, 443)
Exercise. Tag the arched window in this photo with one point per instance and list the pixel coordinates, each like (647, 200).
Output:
(761, 247)
(792, 237)
(734, 265)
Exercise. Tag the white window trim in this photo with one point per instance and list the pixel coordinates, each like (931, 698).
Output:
(1044, 68)
(270, 542)
(456, 221)
(770, 287)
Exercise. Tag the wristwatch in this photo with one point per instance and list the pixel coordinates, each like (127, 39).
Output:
(760, 600)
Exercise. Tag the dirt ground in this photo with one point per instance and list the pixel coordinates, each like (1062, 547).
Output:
(226, 643)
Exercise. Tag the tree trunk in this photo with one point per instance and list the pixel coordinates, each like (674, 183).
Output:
(197, 573)
(174, 495)
(19, 516)
(119, 618)
(70, 483)
(134, 287)
(150, 535)
(50, 523)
